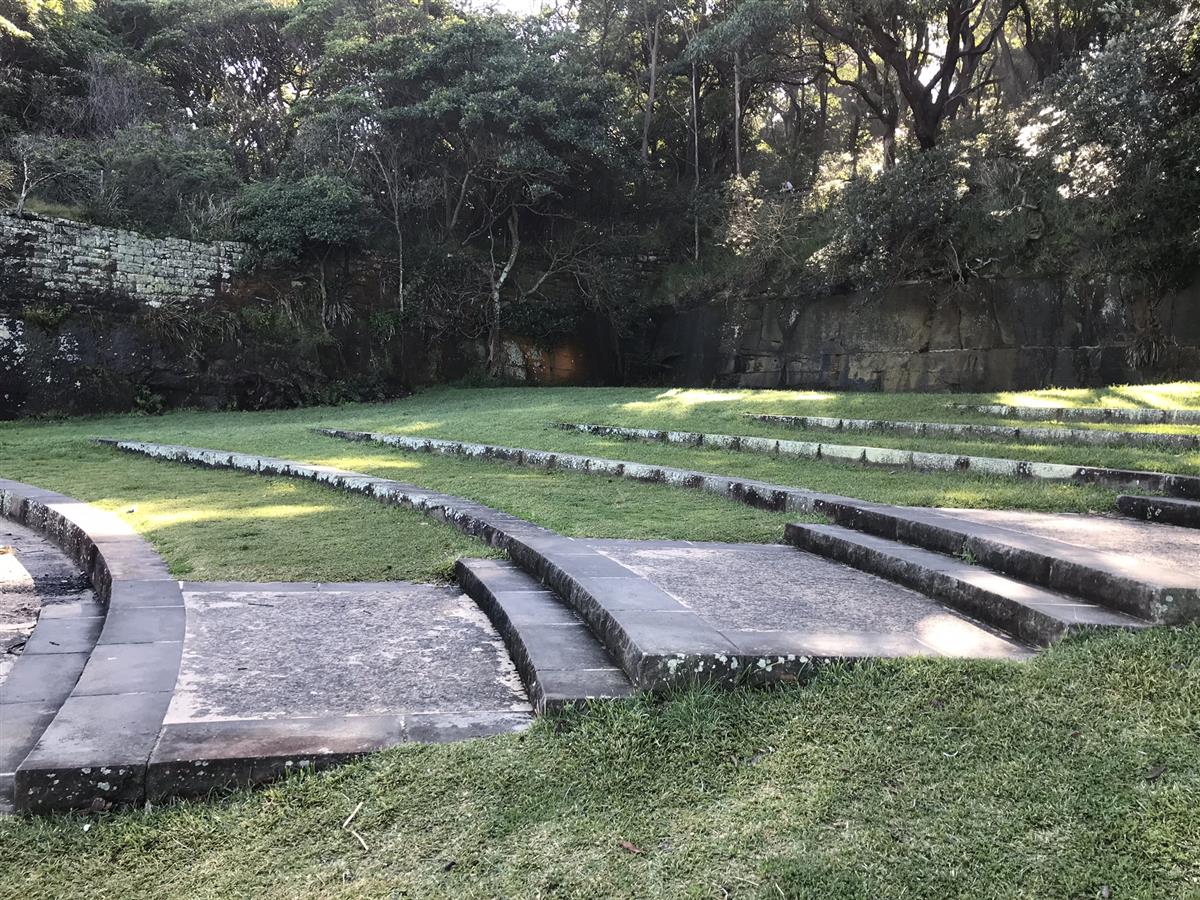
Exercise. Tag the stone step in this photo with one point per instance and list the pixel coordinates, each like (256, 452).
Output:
(89, 691)
(850, 454)
(1156, 592)
(1089, 414)
(559, 660)
(1029, 613)
(967, 431)
(1167, 510)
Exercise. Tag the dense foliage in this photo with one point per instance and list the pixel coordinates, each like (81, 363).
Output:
(493, 170)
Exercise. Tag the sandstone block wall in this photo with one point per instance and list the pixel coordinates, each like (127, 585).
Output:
(57, 260)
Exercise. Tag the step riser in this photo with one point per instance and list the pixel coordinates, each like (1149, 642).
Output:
(1000, 612)
(1125, 595)
(1090, 414)
(564, 666)
(1187, 486)
(486, 600)
(1160, 510)
(967, 431)
(648, 670)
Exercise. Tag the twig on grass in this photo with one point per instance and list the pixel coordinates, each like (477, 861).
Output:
(346, 826)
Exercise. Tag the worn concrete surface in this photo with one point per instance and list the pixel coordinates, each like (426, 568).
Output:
(1144, 545)
(33, 573)
(283, 651)
(775, 590)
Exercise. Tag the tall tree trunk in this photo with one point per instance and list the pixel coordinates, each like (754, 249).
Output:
(856, 129)
(400, 281)
(889, 144)
(495, 344)
(649, 115)
(737, 113)
(821, 137)
(695, 164)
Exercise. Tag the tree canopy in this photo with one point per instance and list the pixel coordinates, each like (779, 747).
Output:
(495, 166)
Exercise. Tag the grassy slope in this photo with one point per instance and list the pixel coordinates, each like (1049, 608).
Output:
(914, 778)
(222, 525)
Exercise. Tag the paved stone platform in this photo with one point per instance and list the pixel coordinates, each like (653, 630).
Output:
(785, 602)
(298, 675)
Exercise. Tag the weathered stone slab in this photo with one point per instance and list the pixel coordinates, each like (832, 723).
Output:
(560, 661)
(970, 431)
(1091, 414)
(282, 677)
(1153, 583)
(251, 653)
(773, 602)
(1163, 510)
(1177, 485)
(1030, 613)
(95, 749)
(97, 746)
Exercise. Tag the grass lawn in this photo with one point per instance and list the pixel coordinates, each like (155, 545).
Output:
(1073, 774)
(224, 525)
(1076, 775)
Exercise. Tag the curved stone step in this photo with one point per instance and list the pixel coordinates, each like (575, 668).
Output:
(973, 431)
(559, 660)
(1089, 414)
(888, 457)
(1166, 510)
(1122, 581)
(623, 610)
(659, 641)
(1029, 613)
(98, 744)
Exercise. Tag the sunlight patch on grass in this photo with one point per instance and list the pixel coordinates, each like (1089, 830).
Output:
(418, 426)
(1174, 395)
(165, 514)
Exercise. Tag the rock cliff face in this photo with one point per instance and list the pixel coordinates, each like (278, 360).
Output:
(95, 319)
(986, 336)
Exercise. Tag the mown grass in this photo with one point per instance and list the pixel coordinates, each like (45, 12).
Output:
(225, 525)
(1074, 776)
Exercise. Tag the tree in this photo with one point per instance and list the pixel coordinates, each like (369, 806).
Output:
(232, 65)
(934, 51)
(312, 218)
(36, 161)
(516, 126)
